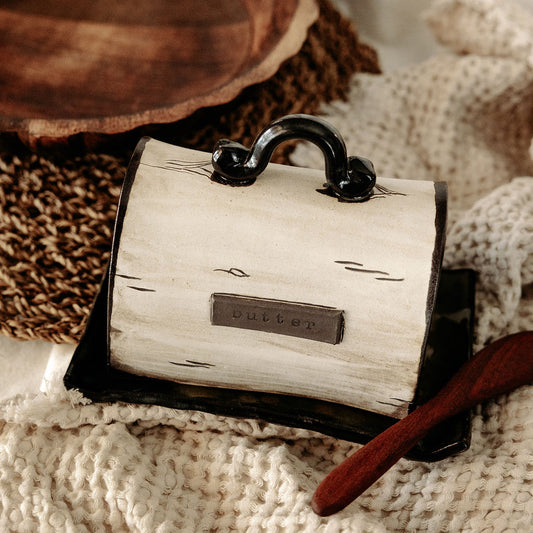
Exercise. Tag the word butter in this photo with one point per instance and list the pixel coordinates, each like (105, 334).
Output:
(314, 322)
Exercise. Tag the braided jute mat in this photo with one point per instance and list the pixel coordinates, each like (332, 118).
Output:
(57, 212)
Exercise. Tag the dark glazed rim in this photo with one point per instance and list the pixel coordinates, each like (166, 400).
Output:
(129, 179)
(441, 215)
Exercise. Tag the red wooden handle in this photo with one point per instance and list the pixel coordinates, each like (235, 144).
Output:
(500, 367)
(354, 475)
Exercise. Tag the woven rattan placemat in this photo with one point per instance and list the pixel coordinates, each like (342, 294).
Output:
(57, 212)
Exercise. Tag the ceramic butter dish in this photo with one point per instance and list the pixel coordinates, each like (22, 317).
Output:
(257, 290)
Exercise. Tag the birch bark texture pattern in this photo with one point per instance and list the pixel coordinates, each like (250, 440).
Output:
(182, 238)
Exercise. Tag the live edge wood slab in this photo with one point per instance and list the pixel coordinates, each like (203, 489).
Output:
(107, 67)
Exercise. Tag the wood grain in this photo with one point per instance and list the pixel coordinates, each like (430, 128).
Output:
(500, 367)
(108, 67)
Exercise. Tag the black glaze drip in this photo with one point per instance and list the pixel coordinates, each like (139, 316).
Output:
(349, 179)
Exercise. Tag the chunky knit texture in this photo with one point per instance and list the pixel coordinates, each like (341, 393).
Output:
(69, 465)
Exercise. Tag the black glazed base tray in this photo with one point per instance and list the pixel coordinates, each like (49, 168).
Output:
(449, 346)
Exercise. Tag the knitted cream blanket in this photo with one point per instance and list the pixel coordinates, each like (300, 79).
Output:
(464, 117)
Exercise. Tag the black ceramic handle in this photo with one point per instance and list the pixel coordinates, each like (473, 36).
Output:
(348, 178)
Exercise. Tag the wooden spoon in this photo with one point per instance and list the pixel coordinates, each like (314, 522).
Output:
(500, 367)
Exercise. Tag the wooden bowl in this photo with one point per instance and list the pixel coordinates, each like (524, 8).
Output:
(108, 67)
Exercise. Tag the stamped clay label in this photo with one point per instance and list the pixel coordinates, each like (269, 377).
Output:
(315, 322)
